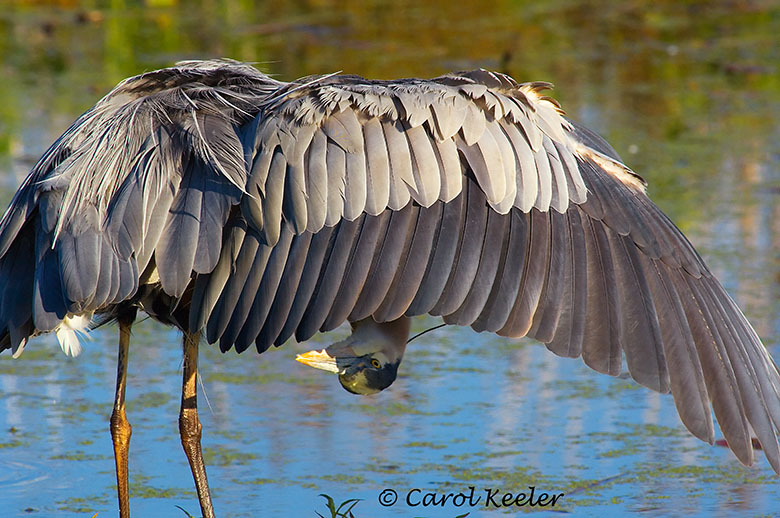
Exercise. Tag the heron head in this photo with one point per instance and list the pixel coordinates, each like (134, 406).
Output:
(367, 361)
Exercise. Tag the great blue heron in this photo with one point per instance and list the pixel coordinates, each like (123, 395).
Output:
(226, 203)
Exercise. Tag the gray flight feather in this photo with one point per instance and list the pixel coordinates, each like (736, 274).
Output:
(319, 250)
(638, 328)
(357, 269)
(534, 272)
(502, 299)
(467, 260)
(386, 260)
(412, 266)
(546, 317)
(355, 185)
(79, 255)
(493, 249)
(285, 294)
(570, 331)
(336, 163)
(175, 254)
(250, 268)
(208, 288)
(240, 269)
(49, 303)
(317, 182)
(377, 167)
(425, 167)
(686, 379)
(264, 295)
(401, 178)
(330, 279)
(444, 253)
(601, 349)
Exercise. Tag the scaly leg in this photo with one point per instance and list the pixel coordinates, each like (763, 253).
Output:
(189, 424)
(120, 428)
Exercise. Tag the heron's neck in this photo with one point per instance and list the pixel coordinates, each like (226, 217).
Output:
(369, 336)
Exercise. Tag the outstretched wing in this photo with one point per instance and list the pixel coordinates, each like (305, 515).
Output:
(274, 210)
(471, 197)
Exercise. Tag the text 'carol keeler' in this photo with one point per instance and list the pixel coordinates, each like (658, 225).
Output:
(488, 497)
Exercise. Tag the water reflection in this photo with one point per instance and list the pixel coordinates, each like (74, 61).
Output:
(687, 92)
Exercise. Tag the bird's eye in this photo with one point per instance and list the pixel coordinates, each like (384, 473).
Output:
(375, 363)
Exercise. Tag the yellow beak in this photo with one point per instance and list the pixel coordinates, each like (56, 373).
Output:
(319, 360)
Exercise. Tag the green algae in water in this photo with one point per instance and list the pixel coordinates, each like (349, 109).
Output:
(13, 444)
(425, 444)
(82, 505)
(223, 456)
(257, 481)
(140, 487)
(80, 456)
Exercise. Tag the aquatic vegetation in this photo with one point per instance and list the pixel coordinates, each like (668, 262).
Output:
(344, 510)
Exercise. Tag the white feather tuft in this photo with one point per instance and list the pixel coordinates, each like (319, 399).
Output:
(68, 333)
(18, 349)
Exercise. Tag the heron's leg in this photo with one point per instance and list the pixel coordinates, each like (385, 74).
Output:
(189, 424)
(120, 427)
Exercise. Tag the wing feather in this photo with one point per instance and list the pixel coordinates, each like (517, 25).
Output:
(467, 259)
(358, 269)
(236, 282)
(319, 251)
(425, 167)
(510, 170)
(535, 267)
(547, 315)
(638, 328)
(444, 255)
(412, 265)
(544, 180)
(355, 184)
(449, 166)
(601, 349)
(234, 308)
(493, 250)
(208, 288)
(401, 177)
(570, 331)
(502, 299)
(560, 185)
(382, 271)
(317, 182)
(262, 297)
(526, 176)
(484, 159)
(285, 294)
(78, 254)
(17, 275)
(686, 378)
(330, 279)
(377, 167)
